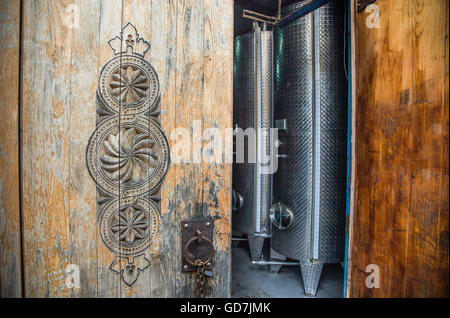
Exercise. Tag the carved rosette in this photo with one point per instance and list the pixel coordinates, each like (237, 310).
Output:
(129, 161)
(130, 84)
(128, 154)
(130, 228)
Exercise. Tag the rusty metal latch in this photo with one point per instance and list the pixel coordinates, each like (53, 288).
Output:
(197, 252)
(197, 244)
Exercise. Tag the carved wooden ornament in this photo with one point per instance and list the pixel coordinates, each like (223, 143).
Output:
(128, 154)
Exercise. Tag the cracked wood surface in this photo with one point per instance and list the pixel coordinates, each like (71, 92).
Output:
(400, 217)
(191, 51)
(10, 249)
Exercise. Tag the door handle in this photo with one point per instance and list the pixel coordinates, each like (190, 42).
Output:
(197, 244)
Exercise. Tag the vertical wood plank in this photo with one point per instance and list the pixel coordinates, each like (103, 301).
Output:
(189, 112)
(204, 100)
(138, 13)
(217, 114)
(47, 56)
(84, 70)
(163, 58)
(156, 22)
(382, 180)
(351, 198)
(428, 262)
(400, 218)
(10, 227)
(109, 282)
(61, 62)
(192, 55)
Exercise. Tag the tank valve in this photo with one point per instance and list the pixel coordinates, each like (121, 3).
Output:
(237, 201)
(281, 216)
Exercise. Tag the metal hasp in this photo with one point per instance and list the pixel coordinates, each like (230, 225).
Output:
(363, 4)
(197, 244)
(311, 93)
(253, 108)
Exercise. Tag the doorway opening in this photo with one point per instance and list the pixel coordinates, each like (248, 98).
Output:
(290, 119)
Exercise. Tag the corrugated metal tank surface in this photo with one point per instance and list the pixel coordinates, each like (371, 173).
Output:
(310, 80)
(253, 102)
(243, 117)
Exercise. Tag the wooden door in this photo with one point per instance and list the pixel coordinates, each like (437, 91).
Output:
(104, 85)
(399, 210)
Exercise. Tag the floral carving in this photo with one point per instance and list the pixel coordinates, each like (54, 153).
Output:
(130, 225)
(128, 148)
(129, 267)
(129, 84)
(128, 156)
(129, 41)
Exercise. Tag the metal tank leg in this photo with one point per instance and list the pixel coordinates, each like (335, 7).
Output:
(311, 275)
(276, 257)
(256, 245)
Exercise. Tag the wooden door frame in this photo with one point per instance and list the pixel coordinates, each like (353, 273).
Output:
(421, 268)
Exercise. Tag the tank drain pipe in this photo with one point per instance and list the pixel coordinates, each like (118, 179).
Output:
(239, 239)
(280, 263)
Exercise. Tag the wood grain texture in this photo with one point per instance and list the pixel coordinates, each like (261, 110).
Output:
(10, 228)
(110, 18)
(140, 14)
(204, 99)
(82, 208)
(47, 52)
(217, 118)
(400, 217)
(191, 51)
(351, 191)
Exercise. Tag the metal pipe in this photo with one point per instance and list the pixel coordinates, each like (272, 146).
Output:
(314, 5)
(258, 19)
(249, 14)
(257, 227)
(279, 10)
(316, 173)
(278, 20)
(280, 263)
(246, 11)
(262, 235)
(239, 239)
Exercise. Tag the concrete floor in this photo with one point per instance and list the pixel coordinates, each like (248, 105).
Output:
(254, 281)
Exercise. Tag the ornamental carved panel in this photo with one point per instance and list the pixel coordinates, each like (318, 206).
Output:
(128, 154)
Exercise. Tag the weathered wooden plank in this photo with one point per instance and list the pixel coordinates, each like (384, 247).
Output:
(351, 198)
(189, 115)
(110, 16)
(428, 262)
(162, 57)
(85, 19)
(138, 13)
(47, 53)
(382, 183)
(164, 276)
(63, 58)
(10, 228)
(217, 116)
(400, 217)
